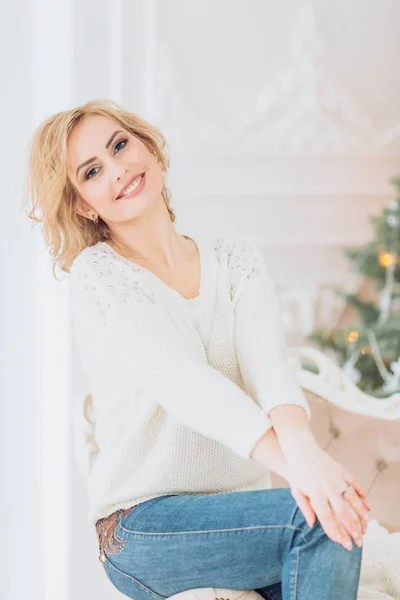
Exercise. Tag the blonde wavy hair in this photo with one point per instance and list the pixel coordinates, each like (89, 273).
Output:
(51, 195)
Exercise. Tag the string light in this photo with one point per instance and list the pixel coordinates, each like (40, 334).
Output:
(352, 336)
(386, 259)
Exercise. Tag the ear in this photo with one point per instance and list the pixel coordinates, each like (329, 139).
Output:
(82, 208)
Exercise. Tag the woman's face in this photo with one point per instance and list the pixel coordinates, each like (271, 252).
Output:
(104, 160)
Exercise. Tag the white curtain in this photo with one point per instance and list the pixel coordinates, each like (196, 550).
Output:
(36, 45)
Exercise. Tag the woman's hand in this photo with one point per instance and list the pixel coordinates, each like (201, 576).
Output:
(317, 483)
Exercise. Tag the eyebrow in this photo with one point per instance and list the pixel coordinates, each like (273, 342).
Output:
(90, 160)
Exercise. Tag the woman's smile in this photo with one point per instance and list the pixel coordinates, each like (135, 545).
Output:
(134, 188)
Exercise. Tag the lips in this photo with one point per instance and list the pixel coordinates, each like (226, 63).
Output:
(122, 190)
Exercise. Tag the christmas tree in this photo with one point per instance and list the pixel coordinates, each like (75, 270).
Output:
(366, 342)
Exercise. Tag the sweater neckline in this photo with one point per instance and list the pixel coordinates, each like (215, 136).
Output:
(207, 272)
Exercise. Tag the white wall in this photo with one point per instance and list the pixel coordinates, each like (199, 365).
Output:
(283, 121)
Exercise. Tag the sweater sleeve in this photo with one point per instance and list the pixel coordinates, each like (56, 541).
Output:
(259, 332)
(124, 336)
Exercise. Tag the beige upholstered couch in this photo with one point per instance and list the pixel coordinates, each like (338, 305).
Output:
(368, 447)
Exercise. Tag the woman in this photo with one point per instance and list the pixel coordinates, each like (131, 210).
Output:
(183, 347)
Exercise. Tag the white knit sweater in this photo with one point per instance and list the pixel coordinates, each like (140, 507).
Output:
(181, 387)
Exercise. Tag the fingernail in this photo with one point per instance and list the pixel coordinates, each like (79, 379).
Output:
(348, 545)
(359, 543)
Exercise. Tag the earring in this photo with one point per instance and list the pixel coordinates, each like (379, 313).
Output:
(95, 218)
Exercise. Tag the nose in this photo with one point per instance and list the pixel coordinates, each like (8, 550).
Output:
(121, 173)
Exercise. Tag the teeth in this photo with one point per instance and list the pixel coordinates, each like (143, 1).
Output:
(133, 186)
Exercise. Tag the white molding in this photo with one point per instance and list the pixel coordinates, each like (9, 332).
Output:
(300, 175)
(263, 194)
(304, 112)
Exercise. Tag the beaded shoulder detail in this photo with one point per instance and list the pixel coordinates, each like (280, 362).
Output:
(121, 281)
(242, 260)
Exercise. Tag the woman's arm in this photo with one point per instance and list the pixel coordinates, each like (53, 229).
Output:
(316, 480)
(293, 429)
(268, 452)
(259, 333)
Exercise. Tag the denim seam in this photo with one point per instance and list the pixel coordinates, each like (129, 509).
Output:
(294, 575)
(133, 580)
(296, 508)
(214, 530)
(296, 572)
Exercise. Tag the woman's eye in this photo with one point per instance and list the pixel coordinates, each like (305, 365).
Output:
(88, 176)
(118, 146)
(121, 144)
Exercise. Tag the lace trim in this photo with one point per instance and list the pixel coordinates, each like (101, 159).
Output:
(107, 541)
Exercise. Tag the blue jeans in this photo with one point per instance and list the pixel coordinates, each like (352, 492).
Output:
(252, 540)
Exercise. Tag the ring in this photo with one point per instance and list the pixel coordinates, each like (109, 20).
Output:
(344, 491)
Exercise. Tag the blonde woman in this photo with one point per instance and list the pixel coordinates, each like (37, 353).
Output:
(182, 343)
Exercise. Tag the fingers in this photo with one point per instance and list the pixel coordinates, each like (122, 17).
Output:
(359, 489)
(359, 506)
(363, 496)
(333, 528)
(348, 516)
(304, 505)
